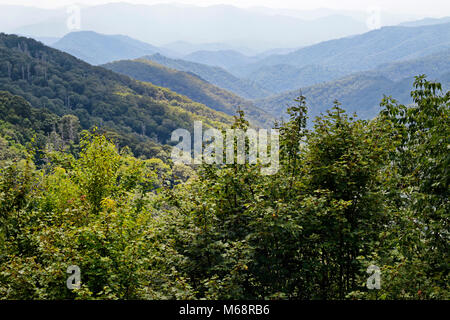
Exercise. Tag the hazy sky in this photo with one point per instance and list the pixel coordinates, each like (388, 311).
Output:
(420, 7)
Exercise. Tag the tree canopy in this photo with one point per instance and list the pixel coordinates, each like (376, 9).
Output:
(349, 194)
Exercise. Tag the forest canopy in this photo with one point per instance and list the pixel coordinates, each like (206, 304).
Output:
(349, 194)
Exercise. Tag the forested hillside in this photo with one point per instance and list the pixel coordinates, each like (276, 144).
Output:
(192, 86)
(141, 113)
(20, 124)
(282, 78)
(349, 195)
(214, 75)
(433, 65)
(362, 92)
(221, 171)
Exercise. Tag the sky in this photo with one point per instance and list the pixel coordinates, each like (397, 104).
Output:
(436, 8)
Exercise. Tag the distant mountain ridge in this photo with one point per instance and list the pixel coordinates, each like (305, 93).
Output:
(425, 22)
(283, 77)
(192, 86)
(362, 92)
(137, 114)
(365, 51)
(223, 58)
(160, 24)
(215, 75)
(184, 48)
(98, 48)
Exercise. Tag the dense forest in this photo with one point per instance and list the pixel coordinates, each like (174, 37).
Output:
(360, 92)
(192, 86)
(215, 75)
(260, 157)
(140, 115)
(349, 193)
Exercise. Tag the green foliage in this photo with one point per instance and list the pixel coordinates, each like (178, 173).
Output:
(418, 266)
(99, 215)
(215, 75)
(348, 194)
(141, 114)
(191, 86)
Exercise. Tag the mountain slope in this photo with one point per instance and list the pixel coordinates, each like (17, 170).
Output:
(191, 86)
(281, 78)
(432, 65)
(425, 22)
(359, 93)
(20, 122)
(362, 92)
(223, 58)
(214, 75)
(364, 52)
(185, 48)
(98, 48)
(138, 113)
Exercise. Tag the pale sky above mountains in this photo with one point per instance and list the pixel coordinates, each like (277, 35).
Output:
(429, 8)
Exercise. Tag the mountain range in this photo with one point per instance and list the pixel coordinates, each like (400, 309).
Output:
(162, 24)
(364, 51)
(274, 73)
(334, 59)
(98, 48)
(211, 80)
(362, 92)
(226, 59)
(192, 86)
(425, 22)
(139, 115)
(364, 66)
(215, 75)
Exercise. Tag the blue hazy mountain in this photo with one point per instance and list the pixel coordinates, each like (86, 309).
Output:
(425, 22)
(334, 59)
(98, 48)
(184, 48)
(224, 58)
(365, 51)
(215, 75)
(279, 78)
(165, 23)
(362, 92)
